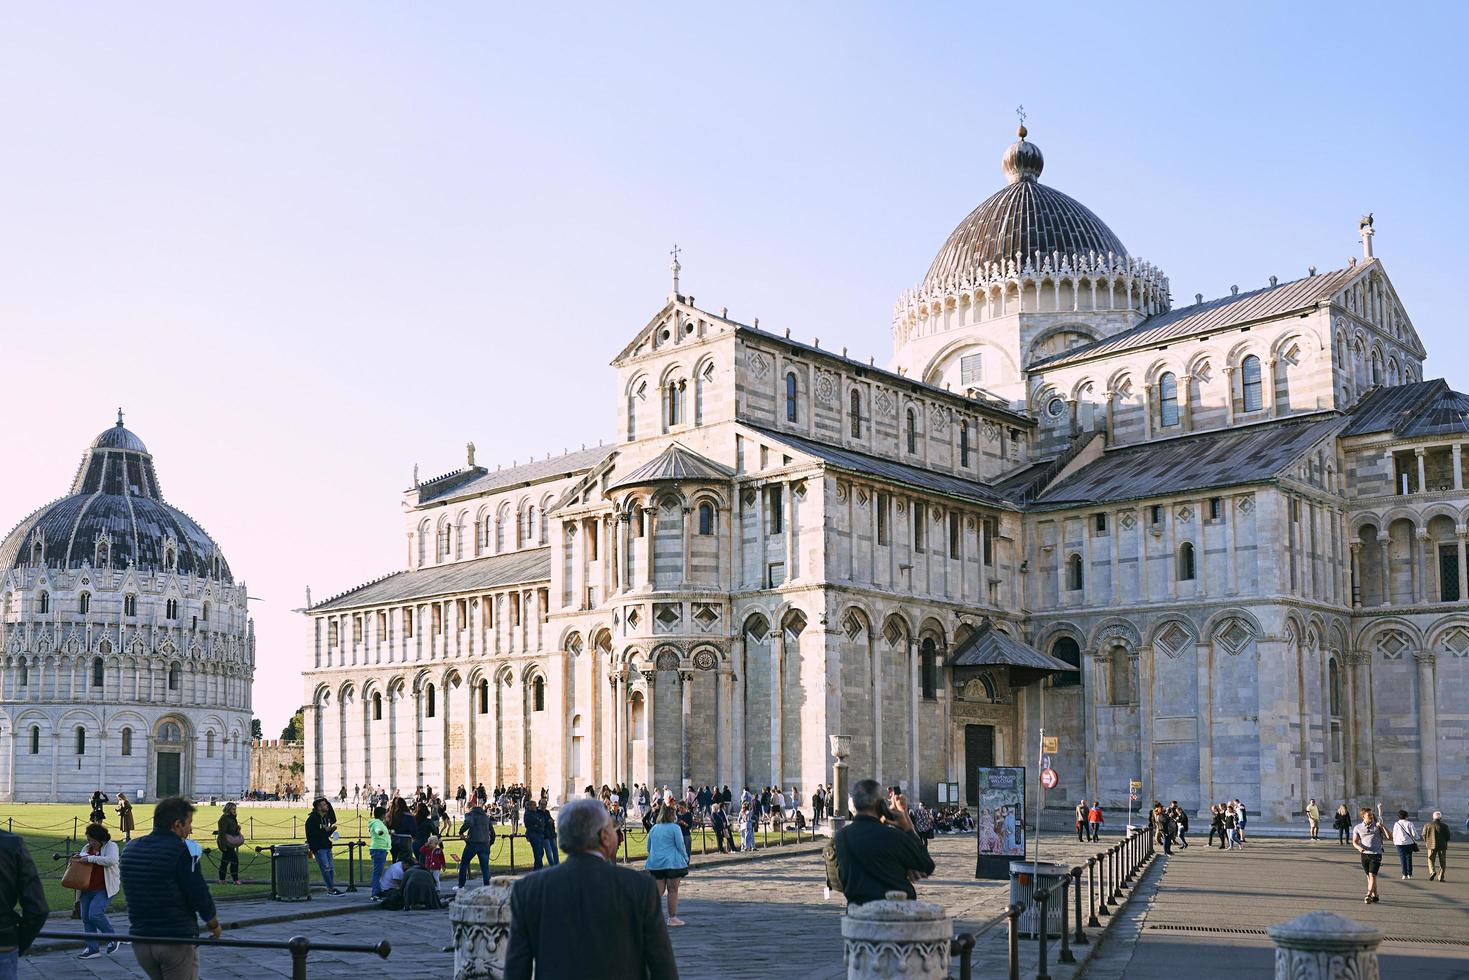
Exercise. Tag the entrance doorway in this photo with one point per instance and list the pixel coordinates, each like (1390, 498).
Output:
(979, 751)
(168, 774)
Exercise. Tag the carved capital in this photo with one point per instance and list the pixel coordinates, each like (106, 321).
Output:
(1425, 658)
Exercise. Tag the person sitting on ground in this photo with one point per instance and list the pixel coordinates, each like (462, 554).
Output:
(878, 851)
(588, 917)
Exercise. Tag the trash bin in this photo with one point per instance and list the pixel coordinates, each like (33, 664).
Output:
(1025, 878)
(292, 872)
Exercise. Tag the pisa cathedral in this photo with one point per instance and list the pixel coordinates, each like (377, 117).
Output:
(128, 648)
(1220, 543)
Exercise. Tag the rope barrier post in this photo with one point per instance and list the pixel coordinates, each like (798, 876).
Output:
(73, 826)
(351, 865)
(1080, 938)
(252, 826)
(293, 828)
(512, 850)
(1091, 890)
(963, 945)
(1066, 955)
(274, 895)
(299, 946)
(1043, 900)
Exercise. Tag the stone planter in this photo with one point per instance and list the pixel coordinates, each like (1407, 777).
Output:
(480, 918)
(1327, 946)
(897, 937)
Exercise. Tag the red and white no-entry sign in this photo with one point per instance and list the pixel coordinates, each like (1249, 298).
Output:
(1049, 779)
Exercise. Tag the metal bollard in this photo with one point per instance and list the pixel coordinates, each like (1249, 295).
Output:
(1043, 900)
(1066, 956)
(1014, 941)
(299, 946)
(352, 846)
(1091, 877)
(512, 851)
(1116, 857)
(963, 947)
(1080, 938)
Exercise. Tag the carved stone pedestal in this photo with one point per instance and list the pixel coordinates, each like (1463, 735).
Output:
(480, 918)
(1325, 946)
(897, 938)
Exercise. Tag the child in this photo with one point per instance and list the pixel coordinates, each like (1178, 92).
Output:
(432, 854)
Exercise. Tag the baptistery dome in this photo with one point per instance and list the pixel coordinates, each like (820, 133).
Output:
(1013, 225)
(114, 515)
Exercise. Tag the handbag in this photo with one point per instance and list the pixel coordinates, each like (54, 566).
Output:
(231, 841)
(78, 874)
(1412, 847)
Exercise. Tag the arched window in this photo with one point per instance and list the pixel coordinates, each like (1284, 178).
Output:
(1376, 368)
(43, 602)
(35, 740)
(127, 741)
(209, 744)
(500, 533)
(333, 633)
(912, 432)
(81, 741)
(25, 674)
(706, 518)
(84, 603)
(98, 671)
(532, 525)
(964, 444)
(1186, 562)
(856, 414)
(429, 705)
(1066, 649)
(168, 558)
(171, 609)
(639, 519)
(545, 528)
(1250, 386)
(204, 613)
(377, 706)
(423, 545)
(791, 389)
(538, 694)
(675, 405)
(1333, 673)
(484, 697)
(175, 678)
(1074, 574)
(102, 552)
(1168, 399)
(928, 668)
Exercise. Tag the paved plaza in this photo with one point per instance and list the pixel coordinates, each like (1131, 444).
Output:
(767, 918)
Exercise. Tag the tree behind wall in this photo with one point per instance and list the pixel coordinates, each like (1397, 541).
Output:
(296, 728)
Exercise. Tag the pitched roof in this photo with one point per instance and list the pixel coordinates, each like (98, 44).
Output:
(1213, 459)
(989, 647)
(679, 465)
(1425, 408)
(532, 565)
(479, 481)
(886, 469)
(1214, 314)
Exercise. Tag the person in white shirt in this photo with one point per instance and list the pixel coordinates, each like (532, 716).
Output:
(1405, 839)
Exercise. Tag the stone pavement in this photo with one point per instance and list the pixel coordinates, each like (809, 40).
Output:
(757, 919)
(1209, 908)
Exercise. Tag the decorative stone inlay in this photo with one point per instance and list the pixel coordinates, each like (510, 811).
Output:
(1128, 521)
(1247, 504)
(1392, 644)
(852, 625)
(1185, 513)
(706, 616)
(896, 937)
(480, 920)
(826, 387)
(1233, 636)
(938, 418)
(667, 660)
(991, 431)
(841, 492)
(884, 402)
(759, 365)
(861, 498)
(1322, 945)
(633, 618)
(667, 615)
(1174, 639)
(705, 660)
(893, 633)
(1456, 641)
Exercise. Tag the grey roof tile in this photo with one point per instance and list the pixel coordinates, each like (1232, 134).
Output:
(480, 481)
(989, 647)
(1214, 314)
(1425, 408)
(886, 469)
(515, 568)
(1231, 457)
(676, 464)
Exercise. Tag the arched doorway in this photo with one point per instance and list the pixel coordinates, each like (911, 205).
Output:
(168, 753)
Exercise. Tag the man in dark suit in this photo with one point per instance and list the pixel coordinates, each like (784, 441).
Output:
(879, 851)
(587, 917)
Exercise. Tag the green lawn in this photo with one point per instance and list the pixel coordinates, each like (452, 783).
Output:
(52, 828)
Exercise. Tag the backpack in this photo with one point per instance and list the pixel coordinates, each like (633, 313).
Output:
(833, 872)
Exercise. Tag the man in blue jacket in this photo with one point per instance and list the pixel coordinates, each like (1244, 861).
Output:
(20, 884)
(166, 893)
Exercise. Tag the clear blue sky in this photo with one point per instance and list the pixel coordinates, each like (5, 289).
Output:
(306, 246)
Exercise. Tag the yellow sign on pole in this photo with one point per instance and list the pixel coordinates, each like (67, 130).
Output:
(1051, 744)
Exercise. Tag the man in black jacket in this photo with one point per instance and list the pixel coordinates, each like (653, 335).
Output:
(878, 851)
(19, 885)
(166, 893)
(588, 917)
(720, 821)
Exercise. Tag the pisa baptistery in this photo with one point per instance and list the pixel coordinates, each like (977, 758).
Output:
(128, 647)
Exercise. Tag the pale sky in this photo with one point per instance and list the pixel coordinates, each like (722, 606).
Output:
(306, 246)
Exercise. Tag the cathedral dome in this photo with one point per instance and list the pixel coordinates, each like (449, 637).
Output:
(1023, 219)
(114, 515)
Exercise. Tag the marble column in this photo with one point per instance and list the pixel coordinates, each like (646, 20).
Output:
(913, 691)
(1385, 554)
(1422, 480)
(1427, 729)
(1355, 546)
(686, 692)
(1462, 537)
(777, 707)
(1204, 653)
(650, 726)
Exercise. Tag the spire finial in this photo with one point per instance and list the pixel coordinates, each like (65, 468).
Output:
(1020, 114)
(675, 266)
(119, 417)
(1364, 226)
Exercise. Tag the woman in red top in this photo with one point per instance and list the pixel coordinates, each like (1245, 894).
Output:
(102, 854)
(1094, 821)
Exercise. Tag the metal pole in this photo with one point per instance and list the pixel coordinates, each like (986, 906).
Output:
(1091, 887)
(1043, 900)
(1080, 938)
(299, 946)
(351, 865)
(274, 894)
(964, 946)
(1014, 942)
(1065, 956)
